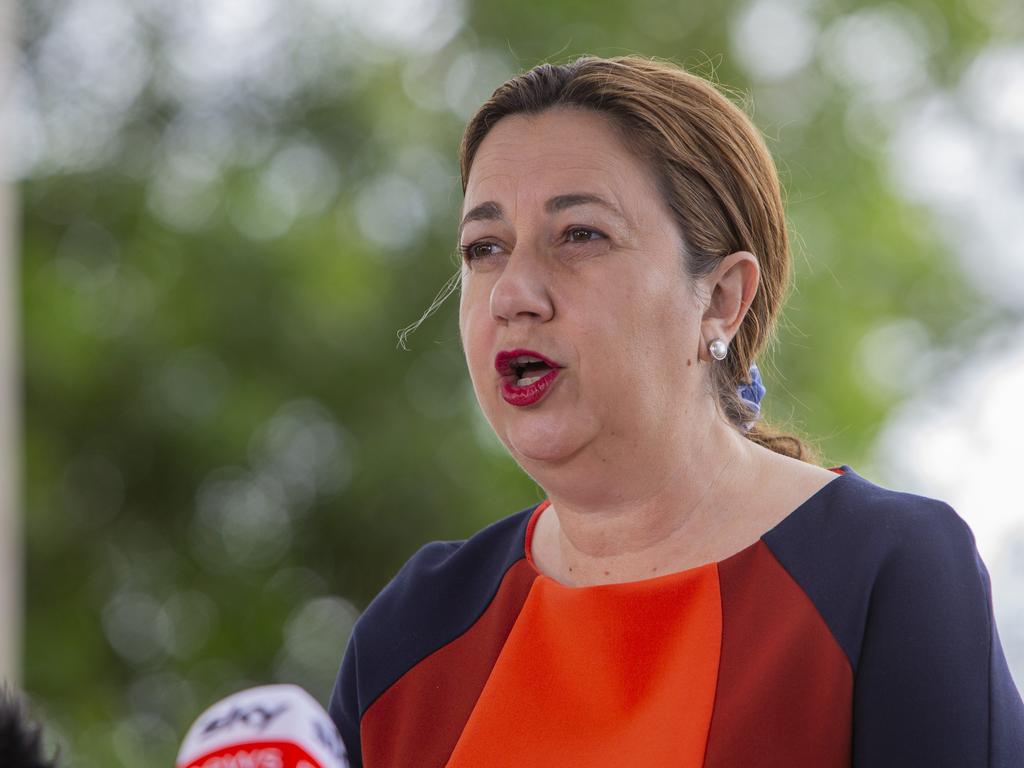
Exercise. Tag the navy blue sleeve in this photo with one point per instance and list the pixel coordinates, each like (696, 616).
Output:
(932, 687)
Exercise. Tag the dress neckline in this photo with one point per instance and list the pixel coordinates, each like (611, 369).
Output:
(843, 471)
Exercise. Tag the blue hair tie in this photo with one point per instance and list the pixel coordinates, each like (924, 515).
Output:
(751, 394)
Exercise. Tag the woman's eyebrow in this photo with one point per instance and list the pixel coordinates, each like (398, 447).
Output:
(491, 211)
(561, 202)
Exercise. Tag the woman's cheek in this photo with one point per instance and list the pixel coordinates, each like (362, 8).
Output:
(478, 353)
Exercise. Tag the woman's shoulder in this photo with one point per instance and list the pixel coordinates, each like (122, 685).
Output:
(855, 543)
(445, 585)
(446, 563)
(852, 512)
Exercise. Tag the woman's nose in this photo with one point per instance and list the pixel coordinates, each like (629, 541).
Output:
(521, 292)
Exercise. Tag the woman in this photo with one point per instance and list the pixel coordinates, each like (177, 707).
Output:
(694, 590)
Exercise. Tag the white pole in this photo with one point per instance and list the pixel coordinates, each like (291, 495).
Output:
(11, 548)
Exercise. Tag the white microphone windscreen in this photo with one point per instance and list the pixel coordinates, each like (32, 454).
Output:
(273, 726)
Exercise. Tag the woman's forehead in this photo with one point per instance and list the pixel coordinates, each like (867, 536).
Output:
(533, 159)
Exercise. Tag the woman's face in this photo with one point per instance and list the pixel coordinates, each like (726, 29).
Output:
(597, 288)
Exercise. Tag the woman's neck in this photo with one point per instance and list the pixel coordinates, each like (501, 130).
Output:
(637, 518)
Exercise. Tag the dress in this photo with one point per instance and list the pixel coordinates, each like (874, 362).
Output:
(856, 632)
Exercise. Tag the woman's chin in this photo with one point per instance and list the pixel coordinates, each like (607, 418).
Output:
(541, 443)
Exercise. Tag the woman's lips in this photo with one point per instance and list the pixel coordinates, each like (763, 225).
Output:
(510, 365)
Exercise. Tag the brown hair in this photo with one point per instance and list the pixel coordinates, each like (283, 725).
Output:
(713, 169)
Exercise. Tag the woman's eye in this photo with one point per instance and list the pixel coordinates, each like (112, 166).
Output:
(582, 235)
(475, 251)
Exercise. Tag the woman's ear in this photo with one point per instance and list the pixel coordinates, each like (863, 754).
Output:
(731, 289)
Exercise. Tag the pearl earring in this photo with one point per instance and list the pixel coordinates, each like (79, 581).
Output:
(718, 349)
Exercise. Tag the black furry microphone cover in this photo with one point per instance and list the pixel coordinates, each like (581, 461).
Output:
(20, 739)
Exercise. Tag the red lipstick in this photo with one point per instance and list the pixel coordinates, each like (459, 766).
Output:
(526, 376)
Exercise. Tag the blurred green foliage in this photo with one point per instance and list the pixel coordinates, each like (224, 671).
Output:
(226, 454)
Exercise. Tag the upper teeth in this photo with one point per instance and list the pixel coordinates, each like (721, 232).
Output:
(524, 359)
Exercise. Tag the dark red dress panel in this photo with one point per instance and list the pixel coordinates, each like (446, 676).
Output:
(785, 687)
(418, 720)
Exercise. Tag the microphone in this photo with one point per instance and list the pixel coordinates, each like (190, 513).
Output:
(273, 726)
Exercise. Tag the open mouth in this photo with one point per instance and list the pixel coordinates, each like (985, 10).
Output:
(528, 371)
(526, 376)
(523, 367)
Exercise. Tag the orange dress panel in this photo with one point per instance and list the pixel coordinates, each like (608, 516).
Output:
(608, 675)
